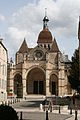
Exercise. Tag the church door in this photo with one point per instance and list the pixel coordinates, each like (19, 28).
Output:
(38, 87)
(53, 88)
(19, 90)
(35, 87)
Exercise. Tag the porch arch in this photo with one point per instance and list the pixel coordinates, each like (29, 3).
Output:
(18, 86)
(35, 83)
(53, 84)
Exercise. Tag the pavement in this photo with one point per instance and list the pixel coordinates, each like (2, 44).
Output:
(64, 115)
(32, 111)
(54, 115)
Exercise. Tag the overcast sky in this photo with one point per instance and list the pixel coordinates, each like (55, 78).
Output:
(23, 18)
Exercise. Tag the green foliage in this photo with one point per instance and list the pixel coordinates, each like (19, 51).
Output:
(7, 113)
(74, 71)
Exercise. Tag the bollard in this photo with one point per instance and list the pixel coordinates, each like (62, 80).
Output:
(20, 115)
(41, 106)
(47, 115)
(2, 103)
(76, 115)
(59, 109)
(5, 102)
(50, 108)
(11, 101)
(70, 110)
(8, 103)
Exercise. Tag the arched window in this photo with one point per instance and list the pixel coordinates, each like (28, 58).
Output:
(41, 45)
(44, 46)
(18, 87)
(48, 46)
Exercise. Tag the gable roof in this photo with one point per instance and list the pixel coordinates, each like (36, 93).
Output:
(54, 47)
(24, 47)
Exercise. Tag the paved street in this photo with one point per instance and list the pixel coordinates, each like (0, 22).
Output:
(42, 116)
(28, 104)
(30, 111)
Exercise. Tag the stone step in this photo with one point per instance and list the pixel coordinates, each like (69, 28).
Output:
(34, 97)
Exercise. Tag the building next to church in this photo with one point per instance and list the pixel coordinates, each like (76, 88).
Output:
(39, 70)
(3, 72)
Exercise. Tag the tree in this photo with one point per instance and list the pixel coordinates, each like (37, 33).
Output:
(7, 113)
(74, 72)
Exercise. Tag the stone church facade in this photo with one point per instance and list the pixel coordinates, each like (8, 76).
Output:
(40, 70)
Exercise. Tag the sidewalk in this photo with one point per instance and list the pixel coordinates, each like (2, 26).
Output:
(73, 117)
(66, 112)
(23, 107)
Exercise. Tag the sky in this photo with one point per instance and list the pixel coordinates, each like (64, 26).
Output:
(21, 19)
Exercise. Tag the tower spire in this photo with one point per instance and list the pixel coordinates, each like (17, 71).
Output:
(45, 20)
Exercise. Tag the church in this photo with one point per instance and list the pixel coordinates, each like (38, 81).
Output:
(42, 70)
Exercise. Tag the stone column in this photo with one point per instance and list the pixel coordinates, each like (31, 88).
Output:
(61, 81)
(47, 83)
(47, 88)
(24, 82)
(24, 87)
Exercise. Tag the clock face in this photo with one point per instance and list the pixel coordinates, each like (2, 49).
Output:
(38, 54)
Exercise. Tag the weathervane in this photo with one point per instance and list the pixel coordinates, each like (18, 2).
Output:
(45, 20)
(45, 11)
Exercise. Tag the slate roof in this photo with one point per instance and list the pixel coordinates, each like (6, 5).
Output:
(54, 47)
(24, 47)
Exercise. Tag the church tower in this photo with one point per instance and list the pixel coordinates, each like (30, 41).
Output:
(45, 36)
(79, 45)
(40, 70)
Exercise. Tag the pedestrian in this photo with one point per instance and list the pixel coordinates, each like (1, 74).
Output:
(73, 98)
(50, 106)
(43, 103)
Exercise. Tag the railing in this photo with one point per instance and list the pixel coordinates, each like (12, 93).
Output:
(11, 101)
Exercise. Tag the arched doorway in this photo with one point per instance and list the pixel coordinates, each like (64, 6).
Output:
(53, 84)
(18, 87)
(36, 81)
